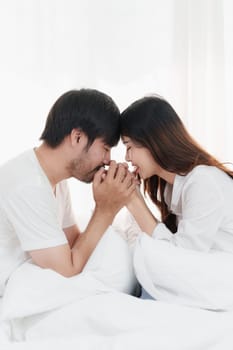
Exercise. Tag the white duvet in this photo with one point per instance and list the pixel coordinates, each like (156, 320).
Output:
(93, 311)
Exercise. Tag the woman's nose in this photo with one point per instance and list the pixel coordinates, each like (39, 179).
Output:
(127, 157)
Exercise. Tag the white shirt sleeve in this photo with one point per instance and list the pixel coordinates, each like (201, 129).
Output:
(65, 206)
(201, 206)
(33, 214)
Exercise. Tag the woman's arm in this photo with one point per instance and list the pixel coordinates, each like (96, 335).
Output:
(140, 211)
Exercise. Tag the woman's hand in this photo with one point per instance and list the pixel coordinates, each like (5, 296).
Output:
(135, 198)
(112, 189)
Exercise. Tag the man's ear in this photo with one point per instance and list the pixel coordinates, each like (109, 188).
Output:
(75, 136)
(78, 137)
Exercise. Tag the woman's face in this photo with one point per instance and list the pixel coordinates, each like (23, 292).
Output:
(141, 159)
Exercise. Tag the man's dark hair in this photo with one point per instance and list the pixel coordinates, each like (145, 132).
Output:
(92, 111)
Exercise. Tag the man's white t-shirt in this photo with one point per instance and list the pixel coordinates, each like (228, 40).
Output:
(203, 203)
(31, 215)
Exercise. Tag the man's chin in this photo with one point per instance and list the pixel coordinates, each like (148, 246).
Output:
(88, 178)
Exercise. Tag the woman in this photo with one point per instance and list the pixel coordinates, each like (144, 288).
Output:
(192, 189)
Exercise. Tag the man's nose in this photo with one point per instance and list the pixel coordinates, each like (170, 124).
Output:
(107, 158)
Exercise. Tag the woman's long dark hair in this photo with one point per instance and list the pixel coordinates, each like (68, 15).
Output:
(151, 122)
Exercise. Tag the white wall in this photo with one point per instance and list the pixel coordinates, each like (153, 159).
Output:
(181, 49)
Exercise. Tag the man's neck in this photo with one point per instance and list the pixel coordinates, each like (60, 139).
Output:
(52, 163)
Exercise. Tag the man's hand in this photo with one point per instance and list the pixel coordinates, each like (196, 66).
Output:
(112, 189)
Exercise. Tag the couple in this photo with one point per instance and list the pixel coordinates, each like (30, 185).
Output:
(192, 190)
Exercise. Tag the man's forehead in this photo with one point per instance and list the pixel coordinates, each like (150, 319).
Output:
(125, 139)
(101, 142)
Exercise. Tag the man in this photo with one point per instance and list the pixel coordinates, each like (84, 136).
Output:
(35, 212)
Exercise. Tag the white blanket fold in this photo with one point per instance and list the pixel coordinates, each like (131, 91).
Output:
(183, 276)
(32, 290)
(93, 309)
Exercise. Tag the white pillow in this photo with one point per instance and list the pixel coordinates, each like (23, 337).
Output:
(177, 275)
(111, 262)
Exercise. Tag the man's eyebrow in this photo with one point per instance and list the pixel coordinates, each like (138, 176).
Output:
(124, 142)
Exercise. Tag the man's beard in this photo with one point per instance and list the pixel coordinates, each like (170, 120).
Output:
(79, 171)
(88, 177)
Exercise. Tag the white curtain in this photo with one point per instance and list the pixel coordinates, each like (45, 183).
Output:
(203, 64)
(181, 49)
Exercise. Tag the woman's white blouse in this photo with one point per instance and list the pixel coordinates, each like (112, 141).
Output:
(203, 203)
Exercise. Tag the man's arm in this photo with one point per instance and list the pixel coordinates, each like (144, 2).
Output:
(72, 233)
(69, 262)
(110, 195)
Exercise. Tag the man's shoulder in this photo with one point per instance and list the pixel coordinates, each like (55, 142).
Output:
(22, 157)
(19, 171)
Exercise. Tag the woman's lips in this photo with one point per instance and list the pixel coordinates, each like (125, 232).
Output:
(136, 173)
(136, 169)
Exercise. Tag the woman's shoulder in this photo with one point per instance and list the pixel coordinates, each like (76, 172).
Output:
(207, 171)
(207, 176)
(203, 169)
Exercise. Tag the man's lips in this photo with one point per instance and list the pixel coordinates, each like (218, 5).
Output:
(99, 167)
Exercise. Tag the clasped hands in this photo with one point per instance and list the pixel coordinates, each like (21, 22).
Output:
(115, 187)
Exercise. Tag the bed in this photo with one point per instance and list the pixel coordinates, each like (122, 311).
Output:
(98, 310)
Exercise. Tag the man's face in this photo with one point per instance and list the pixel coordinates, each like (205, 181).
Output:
(90, 161)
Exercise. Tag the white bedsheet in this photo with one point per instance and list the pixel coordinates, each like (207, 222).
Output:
(4, 328)
(86, 314)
